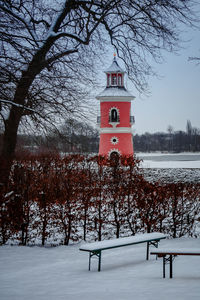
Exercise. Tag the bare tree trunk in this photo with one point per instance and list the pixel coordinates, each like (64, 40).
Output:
(9, 144)
(100, 222)
(16, 113)
(68, 236)
(117, 230)
(85, 224)
(34, 67)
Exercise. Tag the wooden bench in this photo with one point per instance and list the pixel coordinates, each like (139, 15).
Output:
(96, 248)
(169, 255)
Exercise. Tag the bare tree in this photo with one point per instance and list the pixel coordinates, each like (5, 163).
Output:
(196, 59)
(48, 50)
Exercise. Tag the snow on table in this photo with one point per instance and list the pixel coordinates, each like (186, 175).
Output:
(178, 251)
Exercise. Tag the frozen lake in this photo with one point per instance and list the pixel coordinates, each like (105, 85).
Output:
(169, 160)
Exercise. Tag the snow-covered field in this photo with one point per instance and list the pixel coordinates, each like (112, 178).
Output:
(171, 167)
(169, 160)
(61, 273)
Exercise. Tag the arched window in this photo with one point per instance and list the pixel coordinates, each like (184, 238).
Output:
(114, 115)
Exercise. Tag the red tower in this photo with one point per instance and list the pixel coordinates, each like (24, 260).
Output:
(115, 119)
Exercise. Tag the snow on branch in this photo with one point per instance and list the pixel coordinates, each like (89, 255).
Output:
(18, 105)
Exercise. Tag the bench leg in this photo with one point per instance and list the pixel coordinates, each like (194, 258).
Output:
(147, 255)
(170, 266)
(99, 265)
(153, 243)
(98, 254)
(89, 260)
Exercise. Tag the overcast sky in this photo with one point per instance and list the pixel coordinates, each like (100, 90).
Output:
(175, 97)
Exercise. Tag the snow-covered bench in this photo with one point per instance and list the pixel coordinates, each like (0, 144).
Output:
(96, 248)
(168, 256)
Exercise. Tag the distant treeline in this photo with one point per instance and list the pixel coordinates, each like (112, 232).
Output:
(72, 137)
(179, 141)
(78, 137)
(172, 141)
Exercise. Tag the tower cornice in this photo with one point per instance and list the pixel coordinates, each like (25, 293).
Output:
(115, 99)
(115, 130)
(115, 93)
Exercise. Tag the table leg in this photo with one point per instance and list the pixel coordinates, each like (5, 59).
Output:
(163, 266)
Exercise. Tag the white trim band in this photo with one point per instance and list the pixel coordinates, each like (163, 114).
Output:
(116, 130)
(115, 99)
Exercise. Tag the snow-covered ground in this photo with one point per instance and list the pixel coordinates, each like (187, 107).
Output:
(61, 273)
(169, 160)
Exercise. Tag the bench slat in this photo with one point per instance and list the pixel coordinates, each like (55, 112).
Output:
(109, 244)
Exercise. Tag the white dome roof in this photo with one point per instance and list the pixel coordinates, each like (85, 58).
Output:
(114, 67)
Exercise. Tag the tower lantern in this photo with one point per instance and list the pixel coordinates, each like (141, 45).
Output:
(115, 119)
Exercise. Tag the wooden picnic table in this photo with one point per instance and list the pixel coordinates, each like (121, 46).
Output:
(169, 255)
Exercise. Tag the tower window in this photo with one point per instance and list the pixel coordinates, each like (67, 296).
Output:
(119, 80)
(108, 79)
(114, 115)
(114, 79)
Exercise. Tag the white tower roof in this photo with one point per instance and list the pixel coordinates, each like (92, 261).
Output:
(116, 93)
(114, 67)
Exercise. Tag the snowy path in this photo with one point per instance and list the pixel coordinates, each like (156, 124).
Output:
(34, 273)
